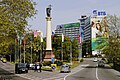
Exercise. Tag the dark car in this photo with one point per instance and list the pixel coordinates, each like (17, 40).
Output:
(21, 67)
(65, 68)
(101, 63)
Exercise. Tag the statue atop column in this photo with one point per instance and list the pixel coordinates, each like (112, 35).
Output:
(48, 11)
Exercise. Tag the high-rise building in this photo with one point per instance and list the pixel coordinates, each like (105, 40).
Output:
(71, 30)
(85, 35)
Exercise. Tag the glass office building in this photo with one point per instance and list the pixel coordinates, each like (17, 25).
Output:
(70, 29)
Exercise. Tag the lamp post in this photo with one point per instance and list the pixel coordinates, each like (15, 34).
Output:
(71, 38)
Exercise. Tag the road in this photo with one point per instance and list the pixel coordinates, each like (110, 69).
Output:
(8, 74)
(87, 70)
(92, 72)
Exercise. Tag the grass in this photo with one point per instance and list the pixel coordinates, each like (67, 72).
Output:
(74, 64)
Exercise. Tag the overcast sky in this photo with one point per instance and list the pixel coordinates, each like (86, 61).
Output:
(69, 11)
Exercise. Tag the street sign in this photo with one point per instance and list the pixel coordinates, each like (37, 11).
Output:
(52, 60)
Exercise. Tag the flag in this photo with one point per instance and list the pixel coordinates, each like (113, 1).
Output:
(41, 36)
(24, 40)
(62, 37)
(79, 41)
(35, 34)
(52, 34)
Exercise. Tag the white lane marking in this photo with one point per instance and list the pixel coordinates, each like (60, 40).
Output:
(97, 73)
(75, 71)
(55, 78)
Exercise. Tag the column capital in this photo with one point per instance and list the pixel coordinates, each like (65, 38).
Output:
(48, 18)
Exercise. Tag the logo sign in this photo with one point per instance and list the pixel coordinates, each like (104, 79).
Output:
(99, 13)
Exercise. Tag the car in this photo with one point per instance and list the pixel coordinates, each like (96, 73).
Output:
(65, 68)
(95, 60)
(21, 67)
(101, 63)
(33, 66)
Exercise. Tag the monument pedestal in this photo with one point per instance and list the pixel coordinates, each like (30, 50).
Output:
(49, 55)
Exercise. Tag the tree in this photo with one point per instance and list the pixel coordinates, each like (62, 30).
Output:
(75, 49)
(13, 21)
(112, 50)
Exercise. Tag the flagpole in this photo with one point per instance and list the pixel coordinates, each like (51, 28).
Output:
(62, 47)
(24, 49)
(15, 50)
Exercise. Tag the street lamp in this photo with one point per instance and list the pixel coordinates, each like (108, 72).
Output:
(71, 39)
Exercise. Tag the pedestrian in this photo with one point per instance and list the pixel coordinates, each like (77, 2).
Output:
(40, 67)
(35, 66)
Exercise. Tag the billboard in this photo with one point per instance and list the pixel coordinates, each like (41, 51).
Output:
(72, 25)
(99, 35)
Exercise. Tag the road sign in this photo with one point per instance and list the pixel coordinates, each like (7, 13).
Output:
(53, 59)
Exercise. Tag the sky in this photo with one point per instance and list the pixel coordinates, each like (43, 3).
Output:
(69, 11)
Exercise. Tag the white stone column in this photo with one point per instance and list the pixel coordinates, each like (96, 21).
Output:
(48, 34)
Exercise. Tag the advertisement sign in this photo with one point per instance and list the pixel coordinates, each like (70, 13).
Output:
(99, 35)
(72, 25)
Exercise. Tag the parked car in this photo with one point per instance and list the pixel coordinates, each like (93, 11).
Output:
(101, 63)
(65, 68)
(21, 67)
(33, 66)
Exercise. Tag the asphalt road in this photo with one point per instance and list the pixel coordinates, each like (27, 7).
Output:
(7, 72)
(5, 75)
(92, 72)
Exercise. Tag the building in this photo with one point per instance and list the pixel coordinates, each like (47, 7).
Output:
(71, 30)
(85, 35)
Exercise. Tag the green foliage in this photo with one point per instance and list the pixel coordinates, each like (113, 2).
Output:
(112, 49)
(13, 22)
(82, 60)
(59, 63)
(57, 48)
(75, 49)
(47, 63)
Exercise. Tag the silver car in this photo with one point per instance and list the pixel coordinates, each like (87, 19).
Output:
(65, 68)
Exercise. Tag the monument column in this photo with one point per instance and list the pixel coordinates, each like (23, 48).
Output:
(48, 34)
(48, 52)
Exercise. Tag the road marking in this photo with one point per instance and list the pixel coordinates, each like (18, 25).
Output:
(97, 73)
(76, 71)
(55, 78)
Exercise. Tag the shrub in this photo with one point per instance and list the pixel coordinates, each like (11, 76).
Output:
(59, 63)
(47, 63)
(81, 60)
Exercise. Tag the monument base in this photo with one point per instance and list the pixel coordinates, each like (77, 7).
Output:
(49, 55)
